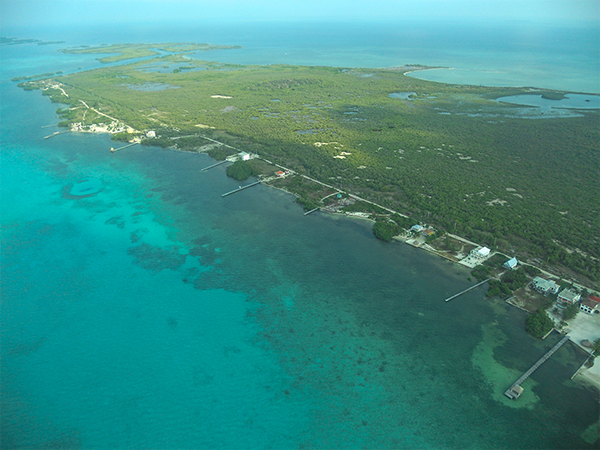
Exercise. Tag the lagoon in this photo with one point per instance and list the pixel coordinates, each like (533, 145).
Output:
(572, 101)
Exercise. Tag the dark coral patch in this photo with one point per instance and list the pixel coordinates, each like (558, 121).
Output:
(157, 258)
(202, 240)
(82, 189)
(117, 220)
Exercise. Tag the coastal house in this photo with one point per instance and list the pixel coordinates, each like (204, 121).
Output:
(590, 306)
(545, 287)
(151, 134)
(427, 232)
(244, 156)
(481, 252)
(511, 263)
(416, 228)
(280, 173)
(568, 296)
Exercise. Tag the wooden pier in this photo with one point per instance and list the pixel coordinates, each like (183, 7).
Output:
(125, 146)
(515, 390)
(311, 211)
(241, 188)
(214, 165)
(56, 133)
(467, 290)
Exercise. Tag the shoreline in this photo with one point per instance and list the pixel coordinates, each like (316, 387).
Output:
(585, 326)
(117, 126)
(361, 215)
(531, 88)
(430, 68)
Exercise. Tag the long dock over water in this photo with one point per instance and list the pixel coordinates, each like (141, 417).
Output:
(311, 211)
(56, 133)
(214, 165)
(467, 290)
(241, 188)
(125, 146)
(515, 390)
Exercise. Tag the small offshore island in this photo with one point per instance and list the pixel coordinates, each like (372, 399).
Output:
(447, 168)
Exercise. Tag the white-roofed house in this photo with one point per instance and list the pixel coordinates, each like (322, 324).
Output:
(481, 252)
(511, 263)
(568, 296)
(545, 287)
(589, 306)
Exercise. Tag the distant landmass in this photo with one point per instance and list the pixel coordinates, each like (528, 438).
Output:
(15, 41)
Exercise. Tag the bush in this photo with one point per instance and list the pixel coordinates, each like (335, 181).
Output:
(306, 203)
(386, 230)
(515, 279)
(496, 288)
(480, 272)
(530, 270)
(403, 222)
(571, 311)
(123, 136)
(220, 153)
(240, 170)
(538, 324)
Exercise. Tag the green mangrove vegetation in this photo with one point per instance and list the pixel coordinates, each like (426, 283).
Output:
(33, 77)
(554, 95)
(123, 52)
(519, 181)
(538, 324)
(16, 41)
(241, 170)
(386, 229)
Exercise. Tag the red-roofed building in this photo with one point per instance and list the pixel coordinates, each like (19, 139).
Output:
(279, 173)
(589, 306)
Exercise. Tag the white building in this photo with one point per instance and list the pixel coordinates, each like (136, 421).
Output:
(481, 252)
(244, 156)
(151, 134)
(545, 287)
(568, 296)
(589, 306)
(511, 263)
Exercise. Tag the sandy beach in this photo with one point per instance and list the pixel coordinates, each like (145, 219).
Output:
(585, 326)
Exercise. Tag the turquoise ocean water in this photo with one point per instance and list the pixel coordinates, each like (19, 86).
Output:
(155, 313)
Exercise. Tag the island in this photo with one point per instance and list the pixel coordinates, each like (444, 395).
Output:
(441, 166)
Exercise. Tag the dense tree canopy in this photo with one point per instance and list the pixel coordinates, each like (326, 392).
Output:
(538, 324)
(449, 155)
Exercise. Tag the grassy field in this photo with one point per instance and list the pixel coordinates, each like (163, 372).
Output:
(448, 155)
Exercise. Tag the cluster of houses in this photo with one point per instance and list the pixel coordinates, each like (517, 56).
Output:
(567, 296)
(422, 230)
